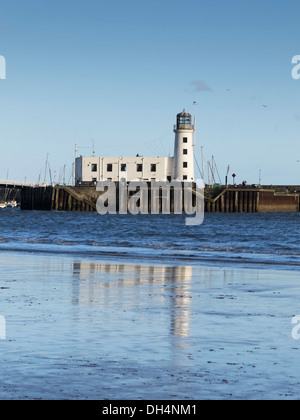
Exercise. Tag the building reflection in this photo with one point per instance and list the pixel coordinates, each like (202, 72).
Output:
(166, 289)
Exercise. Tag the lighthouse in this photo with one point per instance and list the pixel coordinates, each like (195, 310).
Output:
(184, 148)
(91, 169)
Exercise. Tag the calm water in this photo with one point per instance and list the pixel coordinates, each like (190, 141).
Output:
(247, 239)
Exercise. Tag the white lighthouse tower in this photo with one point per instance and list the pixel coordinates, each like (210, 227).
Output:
(184, 148)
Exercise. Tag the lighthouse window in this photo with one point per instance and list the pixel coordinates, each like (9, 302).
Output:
(139, 167)
(94, 167)
(109, 167)
(153, 167)
(185, 140)
(185, 152)
(123, 167)
(185, 164)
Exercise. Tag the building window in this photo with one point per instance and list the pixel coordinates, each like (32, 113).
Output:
(185, 164)
(94, 179)
(185, 139)
(94, 167)
(153, 167)
(123, 167)
(185, 152)
(139, 167)
(109, 167)
(184, 177)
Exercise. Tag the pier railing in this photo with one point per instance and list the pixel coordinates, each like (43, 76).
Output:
(16, 183)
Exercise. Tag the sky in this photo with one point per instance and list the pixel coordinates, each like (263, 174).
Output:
(116, 73)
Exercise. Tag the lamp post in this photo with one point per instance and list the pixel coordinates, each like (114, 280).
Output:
(233, 177)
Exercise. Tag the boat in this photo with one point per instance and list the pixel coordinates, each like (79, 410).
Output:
(3, 205)
(12, 204)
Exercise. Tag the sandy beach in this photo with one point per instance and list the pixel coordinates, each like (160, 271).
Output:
(88, 329)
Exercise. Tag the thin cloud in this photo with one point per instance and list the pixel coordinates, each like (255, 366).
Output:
(201, 86)
(297, 116)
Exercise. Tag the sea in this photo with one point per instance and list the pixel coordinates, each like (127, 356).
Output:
(138, 307)
(248, 240)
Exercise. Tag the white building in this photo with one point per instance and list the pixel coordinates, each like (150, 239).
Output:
(90, 170)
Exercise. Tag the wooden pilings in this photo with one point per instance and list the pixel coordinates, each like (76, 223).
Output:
(36, 198)
(57, 199)
(233, 201)
(253, 201)
(68, 199)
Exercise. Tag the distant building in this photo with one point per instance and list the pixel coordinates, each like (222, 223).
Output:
(90, 170)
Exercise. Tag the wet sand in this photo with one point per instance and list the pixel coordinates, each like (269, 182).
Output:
(84, 329)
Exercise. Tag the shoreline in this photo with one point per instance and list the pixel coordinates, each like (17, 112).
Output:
(165, 260)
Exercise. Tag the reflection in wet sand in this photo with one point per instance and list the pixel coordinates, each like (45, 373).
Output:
(91, 285)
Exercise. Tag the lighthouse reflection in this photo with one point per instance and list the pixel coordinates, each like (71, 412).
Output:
(153, 294)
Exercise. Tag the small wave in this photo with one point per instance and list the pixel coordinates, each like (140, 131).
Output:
(118, 244)
(158, 246)
(63, 242)
(141, 255)
(35, 241)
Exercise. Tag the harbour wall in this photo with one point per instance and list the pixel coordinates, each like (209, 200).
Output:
(246, 200)
(223, 200)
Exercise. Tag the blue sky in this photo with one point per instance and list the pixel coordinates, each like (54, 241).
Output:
(118, 72)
